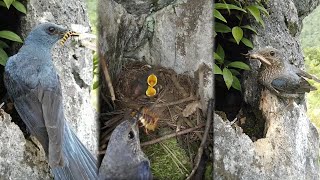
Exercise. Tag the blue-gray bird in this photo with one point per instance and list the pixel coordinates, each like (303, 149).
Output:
(33, 84)
(124, 158)
(279, 76)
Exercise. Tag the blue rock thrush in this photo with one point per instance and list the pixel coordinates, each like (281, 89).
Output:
(124, 158)
(279, 76)
(33, 84)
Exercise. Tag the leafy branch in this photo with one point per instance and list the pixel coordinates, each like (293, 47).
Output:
(9, 35)
(235, 31)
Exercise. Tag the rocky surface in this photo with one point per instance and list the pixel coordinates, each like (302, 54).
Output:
(20, 158)
(290, 147)
(74, 66)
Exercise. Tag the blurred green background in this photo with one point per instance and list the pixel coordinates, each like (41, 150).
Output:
(310, 41)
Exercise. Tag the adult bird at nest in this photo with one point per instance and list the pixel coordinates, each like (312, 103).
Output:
(279, 76)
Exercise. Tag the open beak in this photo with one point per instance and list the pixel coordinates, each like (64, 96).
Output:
(259, 57)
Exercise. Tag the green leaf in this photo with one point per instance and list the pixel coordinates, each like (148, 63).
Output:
(222, 28)
(235, 72)
(10, 35)
(216, 69)
(237, 33)
(227, 76)
(247, 42)
(218, 15)
(217, 58)
(220, 53)
(3, 45)
(3, 4)
(228, 7)
(3, 57)
(261, 8)
(250, 28)
(8, 3)
(19, 6)
(236, 83)
(95, 85)
(239, 65)
(256, 14)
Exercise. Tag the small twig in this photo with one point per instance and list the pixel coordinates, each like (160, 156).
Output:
(176, 102)
(173, 160)
(204, 139)
(108, 78)
(190, 124)
(178, 85)
(174, 157)
(168, 136)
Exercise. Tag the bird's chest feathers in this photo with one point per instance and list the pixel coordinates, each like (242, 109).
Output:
(37, 71)
(267, 74)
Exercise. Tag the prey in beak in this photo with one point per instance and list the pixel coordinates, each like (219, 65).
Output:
(258, 57)
(67, 35)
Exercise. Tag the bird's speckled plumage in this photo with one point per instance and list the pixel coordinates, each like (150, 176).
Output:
(33, 84)
(279, 76)
(124, 158)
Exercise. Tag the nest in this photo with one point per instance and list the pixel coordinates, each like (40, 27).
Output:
(174, 107)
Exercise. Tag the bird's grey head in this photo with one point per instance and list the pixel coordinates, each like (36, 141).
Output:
(268, 56)
(124, 157)
(45, 35)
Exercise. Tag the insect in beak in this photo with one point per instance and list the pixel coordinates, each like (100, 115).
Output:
(67, 35)
(259, 57)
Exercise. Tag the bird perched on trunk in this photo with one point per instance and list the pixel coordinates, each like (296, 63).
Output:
(279, 76)
(124, 158)
(33, 84)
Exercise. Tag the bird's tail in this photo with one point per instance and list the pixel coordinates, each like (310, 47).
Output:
(79, 163)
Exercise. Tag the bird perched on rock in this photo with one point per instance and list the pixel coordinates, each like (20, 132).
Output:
(279, 76)
(124, 158)
(33, 84)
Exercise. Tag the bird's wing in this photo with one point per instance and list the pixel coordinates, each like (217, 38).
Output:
(302, 73)
(53, 115)
(289, 85)
(41, 110)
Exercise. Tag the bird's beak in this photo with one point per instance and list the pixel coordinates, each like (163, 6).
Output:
(259, 57)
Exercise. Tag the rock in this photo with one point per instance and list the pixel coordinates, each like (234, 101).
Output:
(283, 154)
(290, 146)
(20, 158)
(73, 63)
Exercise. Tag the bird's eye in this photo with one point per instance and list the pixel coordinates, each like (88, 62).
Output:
(272, 53)
(51, 30)
(131, 135)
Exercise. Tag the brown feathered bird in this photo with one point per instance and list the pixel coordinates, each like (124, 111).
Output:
(279, 76)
